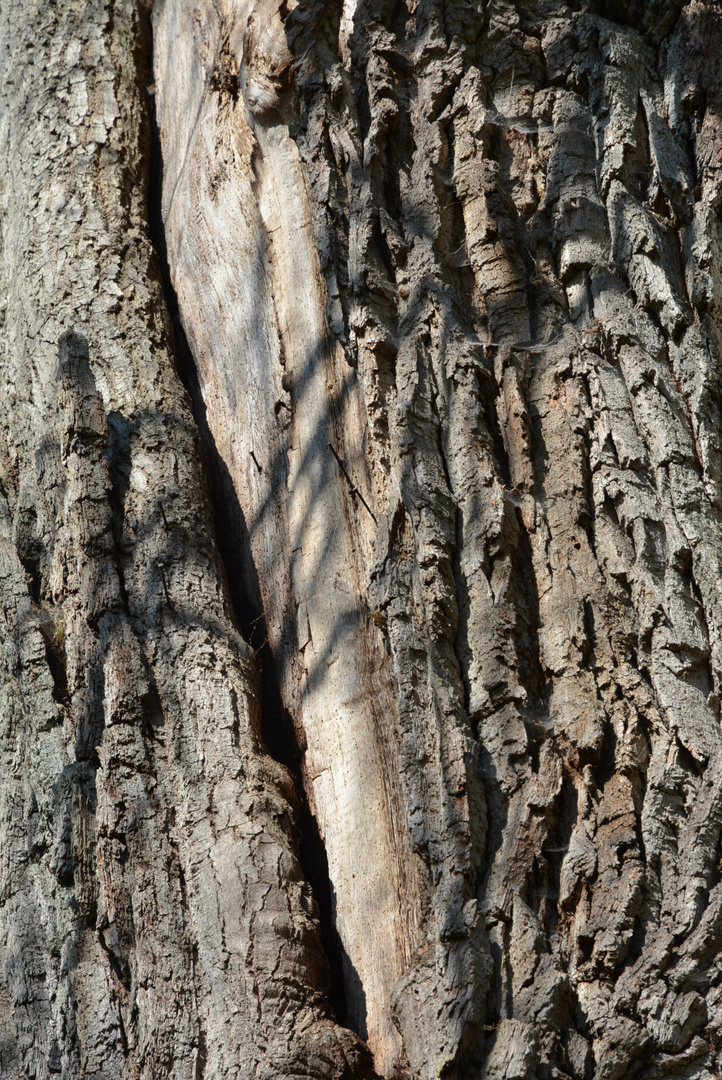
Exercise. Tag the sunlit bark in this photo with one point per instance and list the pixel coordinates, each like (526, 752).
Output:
(361, 561)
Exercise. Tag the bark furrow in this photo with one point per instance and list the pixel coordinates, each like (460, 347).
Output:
(449, 278)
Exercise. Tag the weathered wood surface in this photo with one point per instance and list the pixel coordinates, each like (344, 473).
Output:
(450, 275)
(154, 921)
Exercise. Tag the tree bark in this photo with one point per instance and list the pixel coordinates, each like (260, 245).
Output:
(360, 519)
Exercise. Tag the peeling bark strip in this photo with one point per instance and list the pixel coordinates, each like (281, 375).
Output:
(450, 274)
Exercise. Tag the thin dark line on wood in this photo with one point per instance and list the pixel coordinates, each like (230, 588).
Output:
(354, 489)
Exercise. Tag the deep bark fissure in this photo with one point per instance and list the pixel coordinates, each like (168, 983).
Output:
(429, 553)
(277, 728)
(55, 656)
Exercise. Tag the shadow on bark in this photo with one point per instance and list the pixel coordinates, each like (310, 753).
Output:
(244, 595)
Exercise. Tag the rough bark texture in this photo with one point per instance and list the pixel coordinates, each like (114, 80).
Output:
(446, 278)
(154, 919)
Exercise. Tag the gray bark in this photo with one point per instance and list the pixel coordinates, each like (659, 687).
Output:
(361, 561)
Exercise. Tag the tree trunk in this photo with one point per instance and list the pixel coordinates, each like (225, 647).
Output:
(361, 567)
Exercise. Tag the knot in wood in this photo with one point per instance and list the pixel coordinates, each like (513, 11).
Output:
(268, 61)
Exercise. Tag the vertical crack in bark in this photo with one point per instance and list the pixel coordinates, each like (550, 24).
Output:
(277, 727)
(275, 379)
(452, 301)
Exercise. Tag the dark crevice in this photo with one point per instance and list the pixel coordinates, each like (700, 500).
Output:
(454, 263)
(555, 848)
(30, 551)
(201, 1055)
(123, 1036)
(489, 393)
(637, 160)
(526, 606)
(687, 761)
(32, 569)
(606, 767)
(118, 965)
(590, 632)
(153, 719)
(314, 864)
(55, 656)
(119, 468)
(243, 593)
